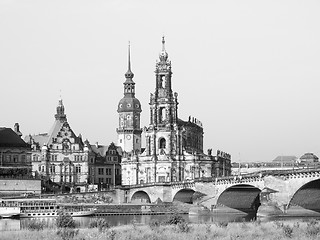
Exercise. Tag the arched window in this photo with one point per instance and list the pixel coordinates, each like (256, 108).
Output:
(163, 81)
(162, 143)
(162, 114)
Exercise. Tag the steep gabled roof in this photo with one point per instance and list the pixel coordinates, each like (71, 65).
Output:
(8, 138)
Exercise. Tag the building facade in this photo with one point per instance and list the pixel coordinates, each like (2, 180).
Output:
(174, 147)
(15, 154)
(15, 165)
(60, 156)
(105, 171)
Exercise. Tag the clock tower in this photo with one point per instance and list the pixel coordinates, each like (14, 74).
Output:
(129, 109)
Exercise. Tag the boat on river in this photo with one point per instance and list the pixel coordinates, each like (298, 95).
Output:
(35, 208)
(9, 212)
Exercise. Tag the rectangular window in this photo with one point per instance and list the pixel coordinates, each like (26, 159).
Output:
(162, 178)
(100, 171)
(52, 168)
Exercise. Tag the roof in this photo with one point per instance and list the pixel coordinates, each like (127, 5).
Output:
(41, 138)
(190, 123)
(99, 149)
(129, 104)
(285, 159)
(309, 156)
(8, 138)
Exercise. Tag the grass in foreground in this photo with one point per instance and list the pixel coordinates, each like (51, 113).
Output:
(182, 231)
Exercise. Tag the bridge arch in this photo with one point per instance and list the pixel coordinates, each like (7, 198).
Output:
(306, 197)
(184, 195)
(140, 197)
(242, 197)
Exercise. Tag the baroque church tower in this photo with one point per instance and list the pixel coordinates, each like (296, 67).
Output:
(161, 134)
(129, 109)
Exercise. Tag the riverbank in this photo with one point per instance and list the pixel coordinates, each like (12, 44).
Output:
(301, 230)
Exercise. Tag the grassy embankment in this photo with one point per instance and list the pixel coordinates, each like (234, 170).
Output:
(183, 231)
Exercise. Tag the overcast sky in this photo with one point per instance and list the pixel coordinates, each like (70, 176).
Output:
(249, 70)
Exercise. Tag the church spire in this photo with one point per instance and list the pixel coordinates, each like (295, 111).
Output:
(128, 85)
(129, 74)
(163, 44)
(163, 54)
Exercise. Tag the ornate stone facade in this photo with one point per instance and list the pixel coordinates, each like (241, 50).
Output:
(174, 148)
(60, 156)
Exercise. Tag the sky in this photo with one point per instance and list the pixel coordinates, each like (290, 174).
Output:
(248, 70)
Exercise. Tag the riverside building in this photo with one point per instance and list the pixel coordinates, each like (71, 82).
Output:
(174, 147)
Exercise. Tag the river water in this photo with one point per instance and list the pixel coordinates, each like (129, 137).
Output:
(116, 220)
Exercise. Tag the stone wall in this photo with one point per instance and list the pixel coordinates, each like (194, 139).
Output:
(16, 186)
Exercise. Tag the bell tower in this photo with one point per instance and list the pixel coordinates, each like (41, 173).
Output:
(161, 133)
(129, 109)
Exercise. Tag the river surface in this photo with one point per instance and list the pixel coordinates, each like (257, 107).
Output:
(116, 220)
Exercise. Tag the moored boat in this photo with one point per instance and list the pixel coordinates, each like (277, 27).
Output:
(35, 208)
(9, 212)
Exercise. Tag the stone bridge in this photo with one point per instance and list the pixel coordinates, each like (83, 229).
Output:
(286, 190)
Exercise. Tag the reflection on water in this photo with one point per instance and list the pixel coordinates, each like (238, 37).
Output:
(116, 220)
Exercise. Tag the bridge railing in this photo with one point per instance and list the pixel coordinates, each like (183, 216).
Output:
(257, 176)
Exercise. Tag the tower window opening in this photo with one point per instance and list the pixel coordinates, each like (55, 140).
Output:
(162, 114)
(163, 81)
(162, 143)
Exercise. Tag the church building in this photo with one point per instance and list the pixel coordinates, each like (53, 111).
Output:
(174, 147)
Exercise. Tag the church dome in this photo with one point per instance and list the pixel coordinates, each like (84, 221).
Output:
(129, 104)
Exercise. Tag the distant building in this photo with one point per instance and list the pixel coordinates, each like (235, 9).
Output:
(285, 159)
(174, 147)
(309, 158)
(15, 164)
(105, 171)
(15, 154)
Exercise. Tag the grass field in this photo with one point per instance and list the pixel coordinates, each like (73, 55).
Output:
(182, 231)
